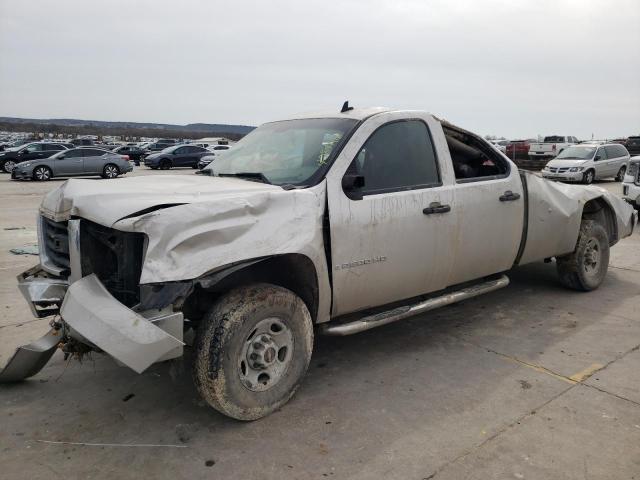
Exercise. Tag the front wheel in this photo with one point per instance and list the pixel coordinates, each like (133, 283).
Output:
(586, 267)
(42, 174)
(620, 174)
(165, 164)
(252, 351)
(588, 177)
(110, 171)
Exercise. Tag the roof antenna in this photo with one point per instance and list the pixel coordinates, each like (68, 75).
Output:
(346, 107)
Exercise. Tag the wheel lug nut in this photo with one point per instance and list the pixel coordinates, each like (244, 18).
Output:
(264, 338)
(254, 356)
(258, 346)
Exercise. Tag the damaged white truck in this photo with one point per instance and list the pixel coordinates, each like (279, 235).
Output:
(330, 223)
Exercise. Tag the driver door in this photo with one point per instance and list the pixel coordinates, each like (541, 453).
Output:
(70, 163)
(390, 238)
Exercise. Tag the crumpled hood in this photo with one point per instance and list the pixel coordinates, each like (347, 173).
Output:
(560, 163)
(107, 201)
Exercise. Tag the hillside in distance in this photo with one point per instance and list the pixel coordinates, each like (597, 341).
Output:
(100, 127)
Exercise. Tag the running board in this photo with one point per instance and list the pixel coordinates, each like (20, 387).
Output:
(400, 313)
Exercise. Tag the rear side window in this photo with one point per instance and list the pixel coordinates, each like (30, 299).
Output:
(397, 156)
(615, 151)
(55, 148)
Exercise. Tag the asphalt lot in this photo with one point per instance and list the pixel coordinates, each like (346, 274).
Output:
(529, 382)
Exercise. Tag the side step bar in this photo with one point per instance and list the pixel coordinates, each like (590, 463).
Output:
(400, 313)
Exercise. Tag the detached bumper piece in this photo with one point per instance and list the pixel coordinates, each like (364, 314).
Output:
(29, 359)
(94, 316)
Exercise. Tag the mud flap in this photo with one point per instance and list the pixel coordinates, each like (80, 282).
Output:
(29, 359)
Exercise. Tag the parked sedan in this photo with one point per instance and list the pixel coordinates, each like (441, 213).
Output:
(31, 151)
(176, 156)
(588, 162)
(83, 161)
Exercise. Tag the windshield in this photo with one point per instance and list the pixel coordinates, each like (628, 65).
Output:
(577, 153)
(288, 152)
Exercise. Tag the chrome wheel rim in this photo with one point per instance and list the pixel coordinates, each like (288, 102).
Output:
(592, 256)
(265, 355)
(111, 171)
(589, 177)
(9, 166)
(41, 173)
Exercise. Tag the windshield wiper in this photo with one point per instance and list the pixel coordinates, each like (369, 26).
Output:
(251, 176)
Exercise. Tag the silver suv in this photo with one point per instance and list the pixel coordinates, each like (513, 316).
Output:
(588, 162)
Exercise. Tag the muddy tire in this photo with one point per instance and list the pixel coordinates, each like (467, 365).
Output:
(620, 174)
(252, 350)
(586, 267)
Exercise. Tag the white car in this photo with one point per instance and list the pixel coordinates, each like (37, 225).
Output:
(551, 146)
(588, 162)
(631, 183)
(501, 145)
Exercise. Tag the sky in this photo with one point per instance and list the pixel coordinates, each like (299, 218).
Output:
(517, 68)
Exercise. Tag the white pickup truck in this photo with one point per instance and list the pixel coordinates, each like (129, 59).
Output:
(332, 223)
(550, 147)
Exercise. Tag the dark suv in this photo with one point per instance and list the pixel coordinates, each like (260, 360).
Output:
(176, 156)
(12, 156)
(633, 145)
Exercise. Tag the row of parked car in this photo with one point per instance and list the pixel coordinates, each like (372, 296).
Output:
(45, 160)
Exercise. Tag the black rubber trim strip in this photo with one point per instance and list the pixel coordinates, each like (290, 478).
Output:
(525, 223)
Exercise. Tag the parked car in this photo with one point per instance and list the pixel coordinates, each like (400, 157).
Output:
(176, 156)
(550, 147)
(83, 142)
(206, 160)
(336, 223)
(82, 161)
(218, 148)
(633, 145)
(501, 145)
(631, 183)
(588, 162)
(30, 151)
(134, 153)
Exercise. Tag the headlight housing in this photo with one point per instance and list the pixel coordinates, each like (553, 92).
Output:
(25, 164)
(576, 169)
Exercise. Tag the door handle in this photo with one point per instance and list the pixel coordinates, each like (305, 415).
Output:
(436, 207)
(509, 196)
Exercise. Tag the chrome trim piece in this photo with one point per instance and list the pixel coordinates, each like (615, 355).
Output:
(400, 313)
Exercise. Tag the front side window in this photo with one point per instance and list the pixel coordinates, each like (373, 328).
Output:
(76, 153)
(601, 154)
(35, 147)
(292, 152)
(397, 156)
(91, 152)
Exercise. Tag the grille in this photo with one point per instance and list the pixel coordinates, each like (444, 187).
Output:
(558, 169)
(56, 243)
(115, 257)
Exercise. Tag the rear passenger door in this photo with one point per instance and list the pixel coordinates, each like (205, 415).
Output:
(180, 157)
(616, 159)
(94, 160)
(490, 214)
(390, 238)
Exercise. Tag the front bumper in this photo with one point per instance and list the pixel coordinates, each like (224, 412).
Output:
(19, 173)
(91, 316)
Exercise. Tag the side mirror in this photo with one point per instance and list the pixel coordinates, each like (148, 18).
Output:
(598, 157)
(352, 186)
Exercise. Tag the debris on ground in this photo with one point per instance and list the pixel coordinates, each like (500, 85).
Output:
(25, 250)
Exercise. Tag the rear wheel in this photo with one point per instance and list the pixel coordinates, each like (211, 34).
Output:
(165, 164)
(9, 165)
(621, 172)
(586, 267)
(42, 174)
(252, 351)
(588, 177)
(110, 171)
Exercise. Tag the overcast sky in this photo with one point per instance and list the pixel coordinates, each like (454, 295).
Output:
(512, 68)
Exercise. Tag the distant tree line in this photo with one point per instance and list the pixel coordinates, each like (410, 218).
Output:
(90, 129)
